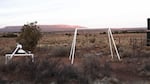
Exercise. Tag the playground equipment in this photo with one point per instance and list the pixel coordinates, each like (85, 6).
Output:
(18, 52)
(111, 42)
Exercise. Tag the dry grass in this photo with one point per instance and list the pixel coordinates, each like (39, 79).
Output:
(134, 54)
(52, 43)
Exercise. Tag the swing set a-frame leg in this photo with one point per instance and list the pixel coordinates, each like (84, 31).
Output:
(111, 40)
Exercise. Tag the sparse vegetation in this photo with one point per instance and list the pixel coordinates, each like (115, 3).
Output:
(93, 69)
(9, 35)
(92, 64)
(37, 72)
(92, 40)
(70, 74)
(60, 51)
(68, 34)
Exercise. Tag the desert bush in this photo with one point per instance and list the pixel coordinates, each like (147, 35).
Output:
(53, 70)
(43, 51)
(144, 70)
(68, 34)
(104, 33)
(69, 74)
(27, 69)
(29, 36)
(92, 40)
(147, 67)
(116, 32)
(38, 72)
(86, 35)
(3, 51)
(7, 69)
(125, 52)
(145, 53)
(9, 35)
(44, 72)
(66, 74)
(108, 80)
(60, 51)
(93, 69)
(47, 69)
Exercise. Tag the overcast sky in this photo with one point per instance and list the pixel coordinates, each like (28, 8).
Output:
(89, 13)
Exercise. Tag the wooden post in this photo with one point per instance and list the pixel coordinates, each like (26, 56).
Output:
(148, 32)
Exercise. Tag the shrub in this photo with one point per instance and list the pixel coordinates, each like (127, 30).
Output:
(104, 32)
(93, 69)
(92, 40)
(147, 68)
(27, 69)
(47, 69)
(69, 74)
(44, 71)
(7, 69)
(145, 53)
(68, 34)
(125, 52)
(3, 51)
(144, 70)
(37, 72)
(9, 35)
(30, 35)
(60, 51)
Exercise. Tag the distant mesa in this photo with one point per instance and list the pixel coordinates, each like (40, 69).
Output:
(62, 27)
(44, 28)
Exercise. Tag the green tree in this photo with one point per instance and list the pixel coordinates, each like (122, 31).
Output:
(29, 36)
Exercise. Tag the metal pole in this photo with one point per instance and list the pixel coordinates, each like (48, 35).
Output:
(73, 51)
(110, 43)
(13, 53)
(72, 46)
(6, 58)
(114, 45)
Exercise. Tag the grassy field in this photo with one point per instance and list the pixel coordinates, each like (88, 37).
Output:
(92, 64)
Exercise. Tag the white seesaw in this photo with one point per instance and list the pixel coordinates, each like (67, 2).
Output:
(18, 52)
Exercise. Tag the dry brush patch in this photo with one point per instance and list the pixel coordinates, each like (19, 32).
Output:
(58, 45)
